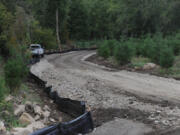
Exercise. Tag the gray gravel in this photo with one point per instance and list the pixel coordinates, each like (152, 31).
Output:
(74, 78)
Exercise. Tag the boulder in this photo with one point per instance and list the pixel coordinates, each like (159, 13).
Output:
(149, 66)
(28, 130)
(52, 120)
(2, 128)
(46, 114)
(37, 110)
(46, 108)
(26, 119)
(19, 110)
(37, 117)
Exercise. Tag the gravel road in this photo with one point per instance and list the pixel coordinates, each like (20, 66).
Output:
(110, 94)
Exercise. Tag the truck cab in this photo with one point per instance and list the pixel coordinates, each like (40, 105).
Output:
(36, 50)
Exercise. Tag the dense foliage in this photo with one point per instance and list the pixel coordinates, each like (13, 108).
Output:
(2, 88)
(15, 71)
(99, 19)
(158, 49)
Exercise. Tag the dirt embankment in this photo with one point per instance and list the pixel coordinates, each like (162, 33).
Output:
(147, 99)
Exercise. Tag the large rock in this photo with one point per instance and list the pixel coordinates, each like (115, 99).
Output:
(26, 119)
(2, 128)
(19, 110)
(28, 130)
(37, 110)
(149, 66)
(46, 114)
(37, 117)
(46, 108)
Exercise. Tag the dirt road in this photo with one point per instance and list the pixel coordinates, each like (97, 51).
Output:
(113, 94)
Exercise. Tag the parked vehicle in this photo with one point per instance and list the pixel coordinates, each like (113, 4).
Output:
(37, 50)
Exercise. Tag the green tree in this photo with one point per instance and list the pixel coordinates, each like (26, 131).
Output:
(6, 19)
(78, 20)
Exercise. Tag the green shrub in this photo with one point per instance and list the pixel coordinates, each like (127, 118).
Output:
(154, 49)
(15, 71)
(103, 51)
(123, 52)
(174, 42)
(149, 46)
(107, 48)
(167, 58)
(3, 89)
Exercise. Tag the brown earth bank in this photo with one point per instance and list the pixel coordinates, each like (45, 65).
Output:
(141, 98)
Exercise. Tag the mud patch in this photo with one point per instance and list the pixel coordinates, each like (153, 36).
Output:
(150, 100)
(102, 115)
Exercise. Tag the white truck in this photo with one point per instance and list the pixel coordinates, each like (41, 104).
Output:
(37, 50)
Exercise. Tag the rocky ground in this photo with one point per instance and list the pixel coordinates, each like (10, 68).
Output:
(31, 110)
(142, 98)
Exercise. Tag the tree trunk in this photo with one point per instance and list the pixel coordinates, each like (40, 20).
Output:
(57, 30)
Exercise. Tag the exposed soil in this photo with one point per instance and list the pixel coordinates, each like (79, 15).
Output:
(101, 115)
(139, 97)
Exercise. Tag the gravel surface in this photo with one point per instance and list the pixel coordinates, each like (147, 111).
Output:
(113, 94)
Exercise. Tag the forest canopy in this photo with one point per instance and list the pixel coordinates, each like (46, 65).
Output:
(92, 19)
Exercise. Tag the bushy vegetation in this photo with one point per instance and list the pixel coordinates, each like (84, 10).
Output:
(3, 89)
(160, 50)
(166, 58)
(107, 48)
(15, 71)
(123, 52)
(44, 37)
